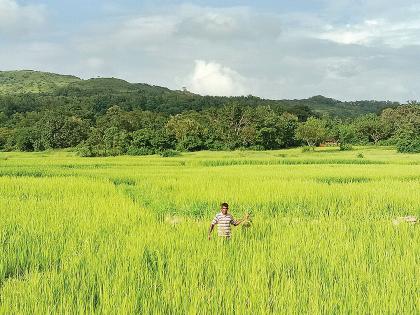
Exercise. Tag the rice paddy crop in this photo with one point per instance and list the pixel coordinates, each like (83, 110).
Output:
(128, 235)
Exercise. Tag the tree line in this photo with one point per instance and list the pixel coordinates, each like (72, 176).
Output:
(117, 130)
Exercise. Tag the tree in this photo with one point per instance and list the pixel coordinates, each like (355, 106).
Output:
(5, 135)
(187, 130)
(115, 117)
(371, 128)
(59, 131)
(274, 131)
(142, 142)
(408, 142)
(214, 131)
(402, 120)
(115, 141)
(112, 142)
(346, 136)
(286, 125)
(237, 125)
(312, 131)
(148, 141)
(25, 139)
(407, 128)
(266, 127)
(150, 119)
(74, 131)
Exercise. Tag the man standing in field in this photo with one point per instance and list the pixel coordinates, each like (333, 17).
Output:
(224, 220)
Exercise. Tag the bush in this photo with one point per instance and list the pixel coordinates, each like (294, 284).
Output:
(216, 146)
(388, 142)
(256, 147)
(25, 139)
(360, 156)
(409, 145)
(345, 147)
(132, 150)
(84, 151)
(169, 153)
(307, 149)
(5, 135)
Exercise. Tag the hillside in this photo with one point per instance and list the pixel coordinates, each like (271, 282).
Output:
(106, 85)
(105, 92)
(110, 116)
(28, 81)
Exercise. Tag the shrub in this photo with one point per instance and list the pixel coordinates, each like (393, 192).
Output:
(132, 150)
(256, 147)
(169, 153)
(25, 139)
(408, 145)
(388, 142)
(345, 147)
(84, 151)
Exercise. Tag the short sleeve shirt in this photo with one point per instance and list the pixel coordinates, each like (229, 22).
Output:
(223, 223)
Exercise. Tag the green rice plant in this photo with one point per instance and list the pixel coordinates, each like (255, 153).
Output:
(127, 234)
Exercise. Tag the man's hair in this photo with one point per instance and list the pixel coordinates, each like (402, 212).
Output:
(224, 204)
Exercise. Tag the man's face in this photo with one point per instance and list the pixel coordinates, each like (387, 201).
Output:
(224, 210)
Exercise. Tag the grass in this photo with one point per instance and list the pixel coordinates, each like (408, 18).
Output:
(27, 81)
(128, 234)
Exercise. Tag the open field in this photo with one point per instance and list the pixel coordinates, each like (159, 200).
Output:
(129, 234)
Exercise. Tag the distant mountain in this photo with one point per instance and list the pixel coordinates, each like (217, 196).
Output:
(101, 85)
(112, 91)
(28, 81)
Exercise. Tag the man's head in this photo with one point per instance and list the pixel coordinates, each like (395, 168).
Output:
(224, 208)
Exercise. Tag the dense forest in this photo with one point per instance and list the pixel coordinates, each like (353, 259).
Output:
(108, 116)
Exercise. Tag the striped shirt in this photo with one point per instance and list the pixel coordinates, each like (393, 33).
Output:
(223, 223)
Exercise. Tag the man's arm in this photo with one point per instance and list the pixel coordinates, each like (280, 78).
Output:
(211, 230)
(213, 223)
(237, 222)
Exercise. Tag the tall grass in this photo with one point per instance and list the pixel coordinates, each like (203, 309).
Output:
(97, 236)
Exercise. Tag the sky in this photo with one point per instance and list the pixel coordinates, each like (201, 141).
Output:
(344, 49)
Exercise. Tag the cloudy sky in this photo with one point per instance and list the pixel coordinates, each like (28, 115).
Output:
(345, 49)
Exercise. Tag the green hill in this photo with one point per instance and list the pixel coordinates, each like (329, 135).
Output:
(106, 85)
(106, 92)
(28, 81)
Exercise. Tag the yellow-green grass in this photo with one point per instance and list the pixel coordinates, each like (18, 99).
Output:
(129, 234)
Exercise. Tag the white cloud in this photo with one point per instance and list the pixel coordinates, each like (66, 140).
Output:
(238, 50)
(342, 68)
(374, 31)
(20, 19)
(211, 78)
(95, 63)
(219, 24)
(348, 35)
(145, 28)
(182, 24)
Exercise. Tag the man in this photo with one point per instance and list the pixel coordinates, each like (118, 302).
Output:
(224, 220)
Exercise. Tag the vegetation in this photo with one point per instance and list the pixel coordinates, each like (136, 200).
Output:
(107, 116)
(27, 81)
(312, 131)
(127, 234)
